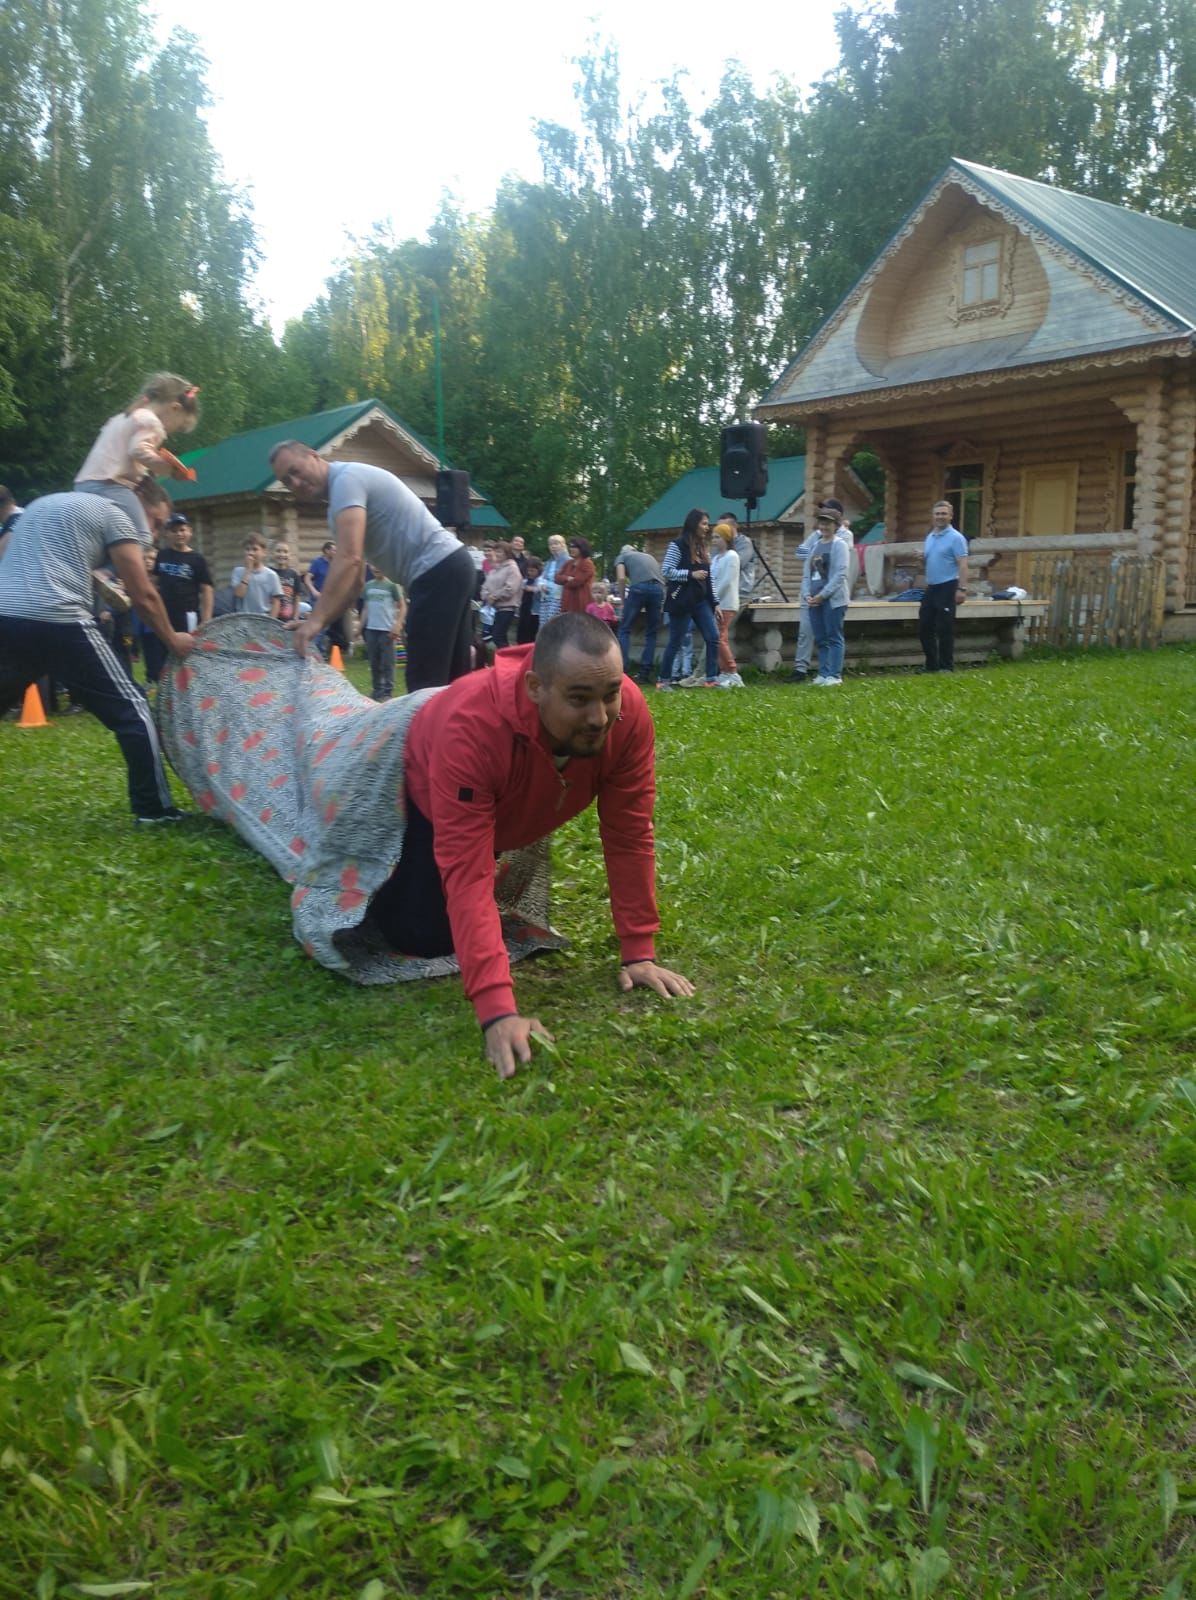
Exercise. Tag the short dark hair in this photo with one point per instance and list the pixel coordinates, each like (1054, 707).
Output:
(728, 516)
(152, 493)
(569, 630)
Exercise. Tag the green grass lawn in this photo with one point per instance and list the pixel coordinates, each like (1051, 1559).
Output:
(867, 1272)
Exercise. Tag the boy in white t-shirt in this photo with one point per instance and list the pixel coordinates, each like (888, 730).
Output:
(256, 587)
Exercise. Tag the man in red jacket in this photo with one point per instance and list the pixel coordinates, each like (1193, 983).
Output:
(498, 760)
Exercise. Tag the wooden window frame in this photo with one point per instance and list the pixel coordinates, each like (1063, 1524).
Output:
(1005, 244)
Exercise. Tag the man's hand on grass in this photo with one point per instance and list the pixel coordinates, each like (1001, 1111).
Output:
(647, 975)
(509, 1041)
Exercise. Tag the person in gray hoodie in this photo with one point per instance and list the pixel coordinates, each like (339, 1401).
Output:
(825, 590)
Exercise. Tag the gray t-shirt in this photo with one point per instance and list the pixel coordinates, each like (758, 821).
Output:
(403, 540)
(381, 601)
(46, 572)
(641, 567)
(264, 584)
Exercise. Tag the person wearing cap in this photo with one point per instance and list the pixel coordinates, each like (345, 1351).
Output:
(825, 592)
(184, 581)
(804, 655)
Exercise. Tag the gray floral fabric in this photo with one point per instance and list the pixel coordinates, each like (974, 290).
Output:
(310, 773)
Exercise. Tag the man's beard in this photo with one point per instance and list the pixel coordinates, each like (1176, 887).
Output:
(576, 750)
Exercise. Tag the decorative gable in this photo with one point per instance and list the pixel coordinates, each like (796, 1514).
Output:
(967, 287)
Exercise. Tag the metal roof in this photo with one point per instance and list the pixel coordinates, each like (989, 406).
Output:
(1153, 258)
(786, 483)
(1155, 261)
(241, 464)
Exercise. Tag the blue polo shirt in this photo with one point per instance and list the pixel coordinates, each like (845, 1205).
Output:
(943, 551)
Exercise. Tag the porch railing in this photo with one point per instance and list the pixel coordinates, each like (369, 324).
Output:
(1114, 600)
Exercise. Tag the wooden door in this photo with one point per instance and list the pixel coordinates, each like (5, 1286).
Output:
(1048, 506)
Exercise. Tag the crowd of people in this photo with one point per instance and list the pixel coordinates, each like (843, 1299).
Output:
(490, 761)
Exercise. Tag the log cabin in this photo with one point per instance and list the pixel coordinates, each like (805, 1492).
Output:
(1026, 354)
(235, 491)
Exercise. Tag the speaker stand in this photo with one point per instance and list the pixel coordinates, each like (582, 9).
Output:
(751, 506)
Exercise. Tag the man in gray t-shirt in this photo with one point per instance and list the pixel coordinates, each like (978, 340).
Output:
(375, 517)
(47, 625)
(644, 592)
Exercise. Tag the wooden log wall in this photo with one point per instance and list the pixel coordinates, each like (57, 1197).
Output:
(1081, 426)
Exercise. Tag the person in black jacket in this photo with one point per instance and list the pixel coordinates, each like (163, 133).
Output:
(688, 593)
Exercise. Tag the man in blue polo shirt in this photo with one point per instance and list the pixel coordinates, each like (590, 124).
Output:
(945, 555)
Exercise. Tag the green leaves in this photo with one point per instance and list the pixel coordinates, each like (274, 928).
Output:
(921, 1434)
(921, 1378)
(634, 1359)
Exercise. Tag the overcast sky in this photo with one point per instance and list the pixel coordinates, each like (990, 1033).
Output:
(335, 120)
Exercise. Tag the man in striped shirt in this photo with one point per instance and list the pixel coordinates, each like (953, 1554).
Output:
(46, 622)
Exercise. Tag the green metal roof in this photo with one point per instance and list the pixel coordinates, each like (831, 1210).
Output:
(786, 481)
(1153, 258)
(241, 464)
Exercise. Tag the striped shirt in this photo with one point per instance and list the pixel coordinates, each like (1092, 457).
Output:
(45, 575)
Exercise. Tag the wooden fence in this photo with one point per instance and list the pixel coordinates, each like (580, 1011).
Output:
(1114, 600)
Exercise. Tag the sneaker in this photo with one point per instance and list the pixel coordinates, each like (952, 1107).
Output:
(830, 683)
(171, 814)
(730, 680)
(694, 681)
(798, 677)
(662, 685)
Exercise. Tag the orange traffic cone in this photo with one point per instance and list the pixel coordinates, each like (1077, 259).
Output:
(334, 658)
(32, 713)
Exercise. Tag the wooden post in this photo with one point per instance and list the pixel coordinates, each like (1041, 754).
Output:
(1177, 502)
(1152, 466)
(816, 467)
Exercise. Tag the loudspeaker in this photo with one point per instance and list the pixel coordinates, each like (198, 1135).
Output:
(452, 498)
(743, 464)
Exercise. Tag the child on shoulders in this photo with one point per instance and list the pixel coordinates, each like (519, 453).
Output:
(128, 448)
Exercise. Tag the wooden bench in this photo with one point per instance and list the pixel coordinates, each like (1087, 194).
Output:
(884, 633)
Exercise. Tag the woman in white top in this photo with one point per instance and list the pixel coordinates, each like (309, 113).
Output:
(724, 576)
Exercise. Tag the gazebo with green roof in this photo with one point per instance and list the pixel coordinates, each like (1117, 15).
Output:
(235, 491)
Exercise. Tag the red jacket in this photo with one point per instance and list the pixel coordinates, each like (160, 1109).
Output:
(480, 769)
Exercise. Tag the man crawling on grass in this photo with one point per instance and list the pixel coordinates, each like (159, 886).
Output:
(393, 819)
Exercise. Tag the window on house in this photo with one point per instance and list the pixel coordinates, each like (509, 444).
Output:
(1129, 484)
(981, 274)
(964, 491)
